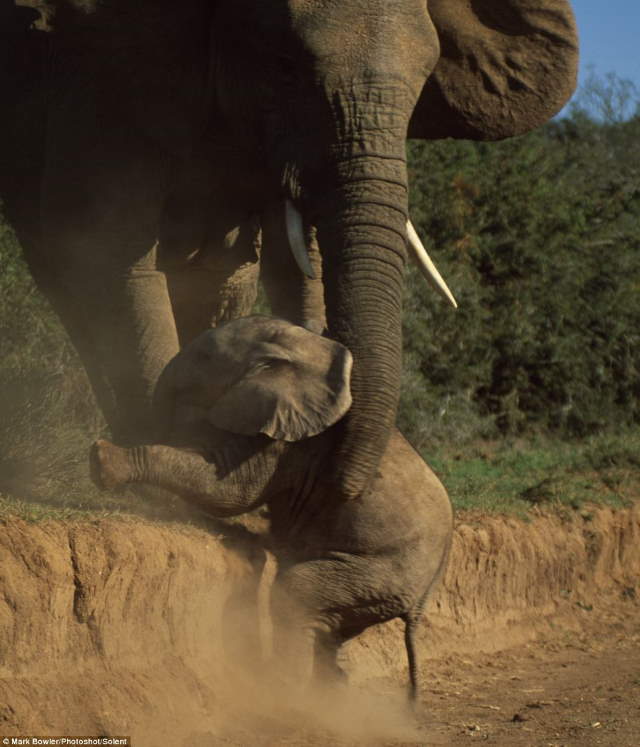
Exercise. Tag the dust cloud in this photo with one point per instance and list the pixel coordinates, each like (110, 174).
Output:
(261, 704)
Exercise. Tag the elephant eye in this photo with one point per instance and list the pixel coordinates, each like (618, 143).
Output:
(270, 363)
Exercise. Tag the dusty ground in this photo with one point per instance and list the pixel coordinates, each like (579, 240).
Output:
(118, 628)
(575, 686)
(567, 688)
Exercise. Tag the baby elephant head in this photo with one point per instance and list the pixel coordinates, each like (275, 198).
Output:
(256, 375)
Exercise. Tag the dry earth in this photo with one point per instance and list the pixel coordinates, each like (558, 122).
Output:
(578, 687)
(118, 627)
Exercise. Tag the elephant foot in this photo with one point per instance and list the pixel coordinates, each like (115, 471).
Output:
(110, 466)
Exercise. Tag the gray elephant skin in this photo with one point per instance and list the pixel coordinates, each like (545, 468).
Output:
(255, 405)
(148, 150)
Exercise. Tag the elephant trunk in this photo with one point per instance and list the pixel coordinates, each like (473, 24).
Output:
(363, 238)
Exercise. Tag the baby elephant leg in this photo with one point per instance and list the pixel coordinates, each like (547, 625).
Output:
(113, 466)
(241, 615)
(293, 632)
(183, 472)
(326, 669)
(315, 609)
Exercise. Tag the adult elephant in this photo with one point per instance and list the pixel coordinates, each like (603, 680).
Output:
(172, 135)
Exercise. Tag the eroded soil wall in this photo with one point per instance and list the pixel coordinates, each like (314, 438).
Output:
(108, 627)
(115, 627)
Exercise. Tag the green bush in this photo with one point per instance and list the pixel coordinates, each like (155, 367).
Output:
(539, 239)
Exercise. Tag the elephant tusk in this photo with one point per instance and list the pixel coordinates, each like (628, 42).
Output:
(297, 242)
(427, 268)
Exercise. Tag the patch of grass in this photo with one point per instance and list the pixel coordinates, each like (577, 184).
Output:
(512, 476)
(125, 506)
(33, 511)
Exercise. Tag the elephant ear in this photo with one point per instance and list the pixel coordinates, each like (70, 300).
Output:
(506, 66)
(295, 386)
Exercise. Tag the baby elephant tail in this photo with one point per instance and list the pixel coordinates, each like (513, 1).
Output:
(411, 621)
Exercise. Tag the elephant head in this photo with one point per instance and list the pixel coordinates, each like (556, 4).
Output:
(330, 91)
(255, 375)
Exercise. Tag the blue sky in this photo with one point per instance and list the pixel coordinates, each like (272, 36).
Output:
(609, 37)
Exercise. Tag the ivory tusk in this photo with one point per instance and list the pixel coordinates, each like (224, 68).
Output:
(427, 268)
(297, 241)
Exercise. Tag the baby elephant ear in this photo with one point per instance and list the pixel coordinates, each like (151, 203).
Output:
(295, 386)
(505, 67)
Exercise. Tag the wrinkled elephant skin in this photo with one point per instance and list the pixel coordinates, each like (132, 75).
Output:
(152, 146)
(255, 404)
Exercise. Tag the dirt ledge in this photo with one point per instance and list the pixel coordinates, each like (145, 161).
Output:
(115, 627)
(107, 627)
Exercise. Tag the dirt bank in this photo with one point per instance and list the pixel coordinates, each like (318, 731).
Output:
(106, 628)
(117, 627)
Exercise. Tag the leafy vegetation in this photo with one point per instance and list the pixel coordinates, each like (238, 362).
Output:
(529, 393)
(539, 238)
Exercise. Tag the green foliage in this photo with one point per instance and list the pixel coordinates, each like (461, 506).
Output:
(539, 239)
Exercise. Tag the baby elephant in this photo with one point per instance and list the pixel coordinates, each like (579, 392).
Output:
(251, 411)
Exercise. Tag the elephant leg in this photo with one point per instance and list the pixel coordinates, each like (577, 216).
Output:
(326, 669)
(241, 618)
(81, 331)
(318, 605)
(209, 246)
(125, 334)
(311, 610)
(294, 632)
(124, 338)
(291, 294)
(200, 480)
(119, 319)
(202, 296)
(102, 198)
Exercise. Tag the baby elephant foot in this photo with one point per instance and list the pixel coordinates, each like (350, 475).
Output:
(110, 465)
